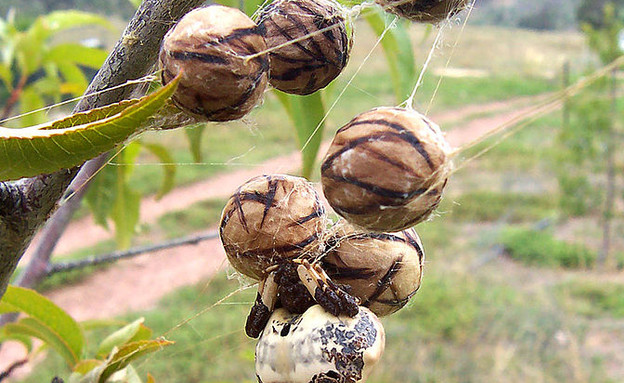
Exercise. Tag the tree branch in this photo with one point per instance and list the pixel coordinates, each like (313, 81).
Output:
(27, 203)
(117, 255)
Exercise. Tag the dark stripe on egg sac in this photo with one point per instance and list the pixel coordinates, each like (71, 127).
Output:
(380, 136)
(315, 214)
(282, 249)
(270, 198)
(406, 134)
(416, 245)
(374, 189)
(203, 57)
(238, 34)
(386, 280)
(242, 100)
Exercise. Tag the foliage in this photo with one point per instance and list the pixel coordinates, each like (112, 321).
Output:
(59, 331)
(604, 39)
(70, 141)
(581, 150)
(30, 9)
(584, 143)
(36, 71)
(591, 12)
(541, 248)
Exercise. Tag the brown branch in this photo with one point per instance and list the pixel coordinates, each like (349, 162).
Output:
(13, 98)
(118, 255)
(27, 203)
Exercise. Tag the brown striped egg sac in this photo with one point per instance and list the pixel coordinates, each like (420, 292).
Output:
(219, 52)
(272, 229)
(383, 270)
(386, 169)
(317, 347)
(424, 11)
(309, 43)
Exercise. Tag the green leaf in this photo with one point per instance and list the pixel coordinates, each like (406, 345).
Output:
(306, 113)
(35, 328)
(128, 353)
(119, 337)
(125, 211)
(51, 317)
(194, 135)
(71, 141)
(168, 166)
(101, 195)
(398, 50)
(84, 366)
(144, 333)
(76, 54)
(136, 3)
(31, 100)
(75, 80)
(61, 20)
(25, 340)
(6, 76)
(97, 324)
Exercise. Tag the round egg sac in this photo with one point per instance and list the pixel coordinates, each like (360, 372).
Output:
(309, 43)
(219, 52)
(386, 169)
(383, 270)
(425, 11)
(270, 219)
(317, 347)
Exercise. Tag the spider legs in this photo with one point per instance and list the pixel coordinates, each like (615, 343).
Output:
(326, 293)
(263, 308)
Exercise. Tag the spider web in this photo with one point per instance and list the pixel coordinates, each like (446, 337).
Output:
(502, 133)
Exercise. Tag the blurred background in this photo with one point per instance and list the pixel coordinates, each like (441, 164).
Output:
(523, 277)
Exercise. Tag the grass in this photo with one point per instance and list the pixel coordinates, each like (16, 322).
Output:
(486, 205)
(458, 328)
(541, 248)
(591, 298)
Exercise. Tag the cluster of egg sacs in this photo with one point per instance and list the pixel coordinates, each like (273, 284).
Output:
(384, 173)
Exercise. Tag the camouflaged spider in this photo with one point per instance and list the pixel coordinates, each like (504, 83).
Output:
(296, 285)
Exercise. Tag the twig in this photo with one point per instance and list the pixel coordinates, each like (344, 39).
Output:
(117, 255)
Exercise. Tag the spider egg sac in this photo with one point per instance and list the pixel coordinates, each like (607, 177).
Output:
(317, 347)
(211, 45)
(386, 169)
(309, 43)
(425, 11)
(383, 270)
(271, 218)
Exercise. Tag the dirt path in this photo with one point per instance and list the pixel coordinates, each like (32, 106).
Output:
(139, 283)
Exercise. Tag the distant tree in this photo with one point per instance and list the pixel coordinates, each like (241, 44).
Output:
(592, 12)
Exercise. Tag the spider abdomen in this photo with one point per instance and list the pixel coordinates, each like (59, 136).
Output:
(316, 347)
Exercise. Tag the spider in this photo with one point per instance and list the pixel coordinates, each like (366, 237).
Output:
(296, 285)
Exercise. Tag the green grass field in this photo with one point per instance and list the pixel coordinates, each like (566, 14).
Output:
(479, 316)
